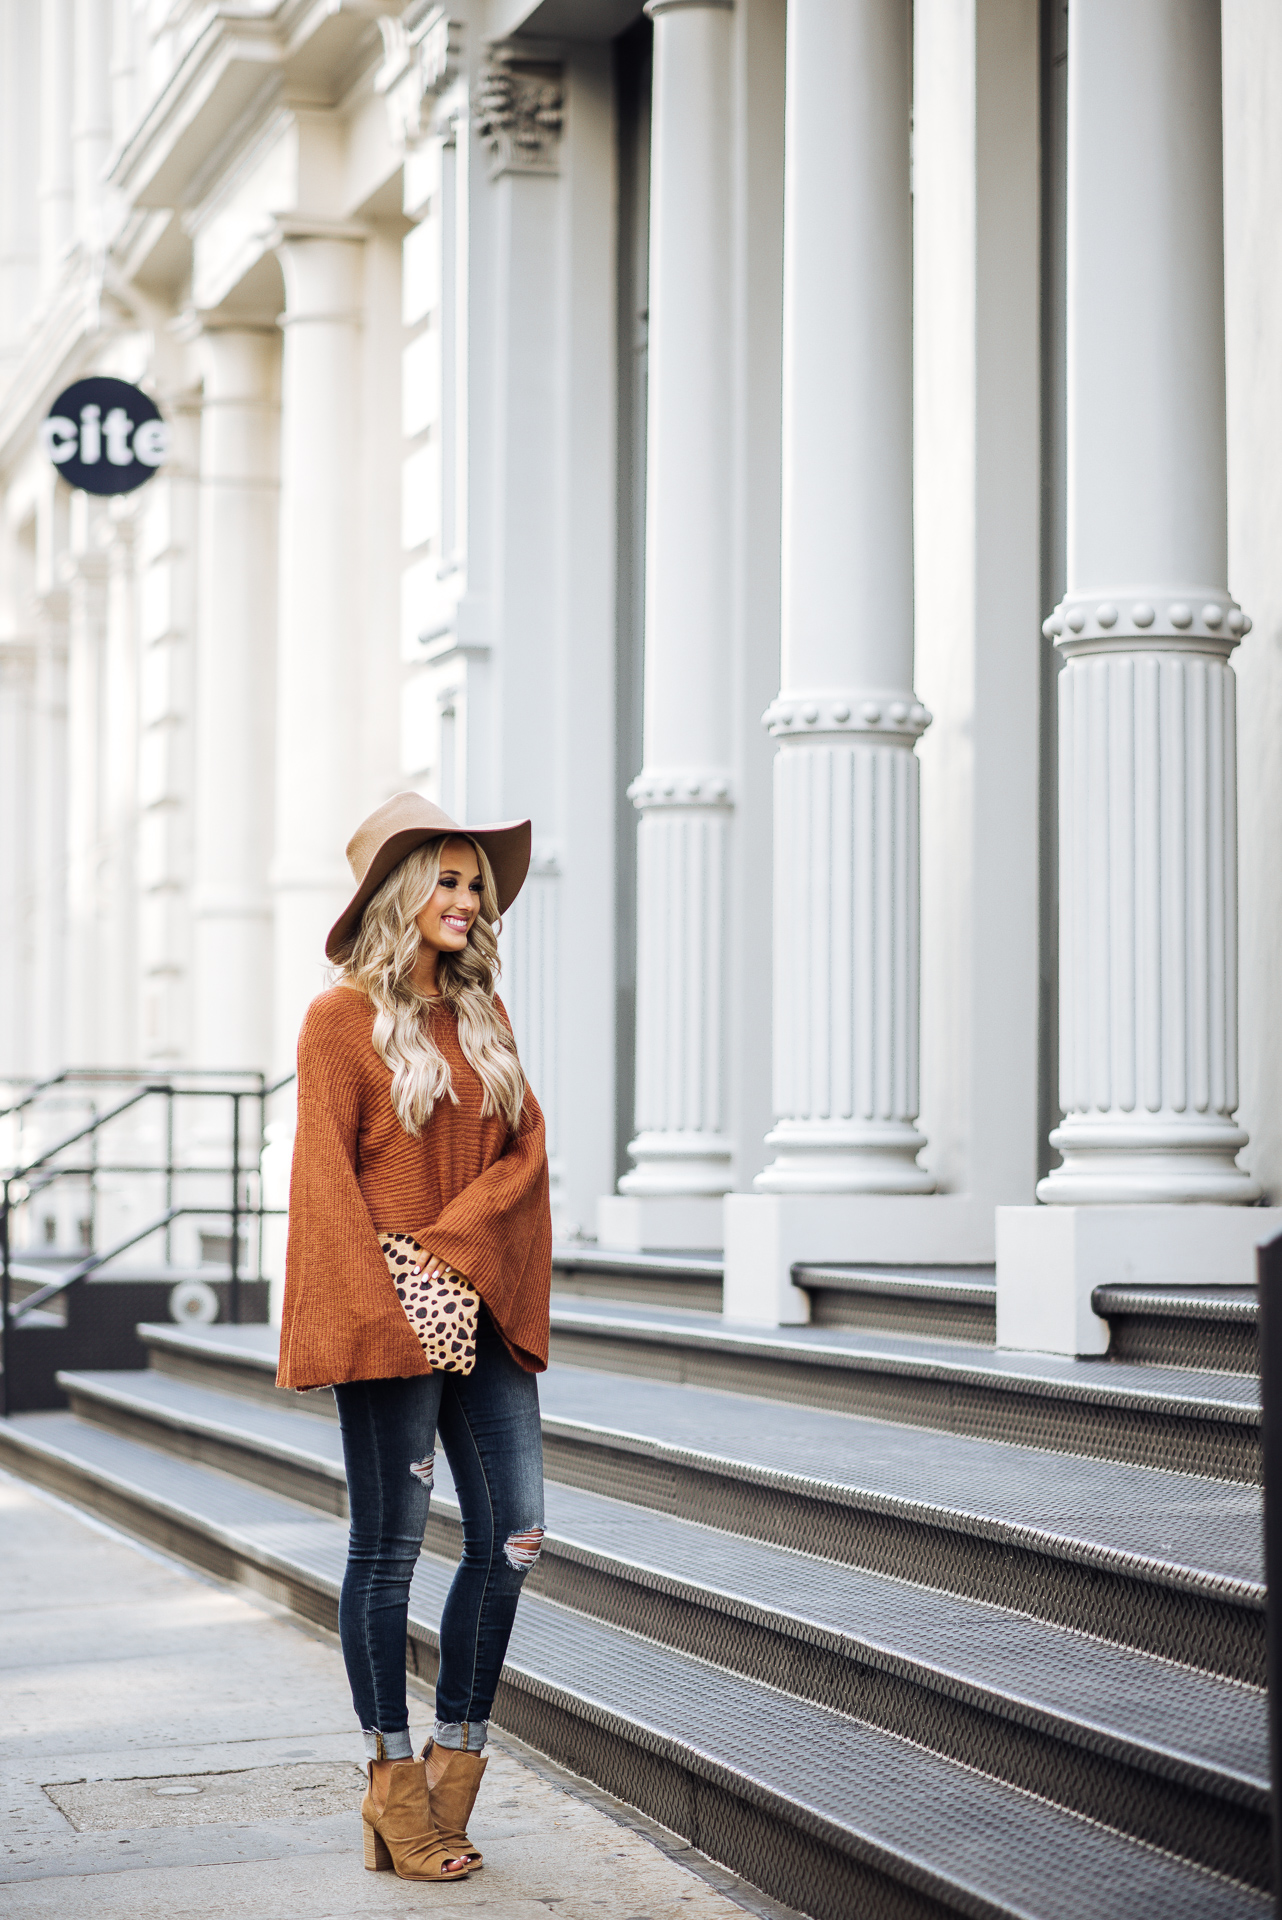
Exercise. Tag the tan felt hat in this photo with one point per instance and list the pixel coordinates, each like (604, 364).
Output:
(395, 829)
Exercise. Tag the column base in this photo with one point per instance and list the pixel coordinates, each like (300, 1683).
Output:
(873, 1157)
(678, 1165)
(1050, 1260)
(1119, 1160)
(766, 1233)
(660, 1223)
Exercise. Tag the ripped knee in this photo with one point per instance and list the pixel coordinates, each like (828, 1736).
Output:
(424, 1470)
(521, 1550)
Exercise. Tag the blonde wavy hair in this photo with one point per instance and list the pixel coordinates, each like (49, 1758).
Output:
(380, 966)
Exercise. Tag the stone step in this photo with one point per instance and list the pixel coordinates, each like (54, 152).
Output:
(1167, 1563)
(1211, 1328)
(812, 1805)
(688, 1280)
(949, 1303)
(1194, 1422)
(1174, 1757)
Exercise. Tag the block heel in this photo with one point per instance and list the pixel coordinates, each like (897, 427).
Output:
(377, 1857)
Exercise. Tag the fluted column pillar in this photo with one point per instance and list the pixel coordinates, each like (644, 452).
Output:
(682, 1150)
(317, 682)
(846, 719)
(1147, 813)
(1147, 793)
(235, 700)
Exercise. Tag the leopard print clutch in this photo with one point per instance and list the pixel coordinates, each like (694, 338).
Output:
(443, 1313)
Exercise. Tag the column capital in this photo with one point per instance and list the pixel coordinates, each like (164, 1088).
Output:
(519, 110)
(1206, 619)
(885, 714)
(682, 787)
(419, 65)
(320, 261)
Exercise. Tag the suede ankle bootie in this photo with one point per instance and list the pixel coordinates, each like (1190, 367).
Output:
(401, 1834)
(453, 1777)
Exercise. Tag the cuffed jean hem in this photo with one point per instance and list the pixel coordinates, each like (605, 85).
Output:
(468, 1736)
(387, 1746)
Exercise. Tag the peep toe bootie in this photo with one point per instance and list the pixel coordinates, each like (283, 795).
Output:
(401, 1834)
(453, 1778)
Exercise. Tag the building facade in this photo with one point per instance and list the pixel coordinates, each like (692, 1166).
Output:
(818, 459)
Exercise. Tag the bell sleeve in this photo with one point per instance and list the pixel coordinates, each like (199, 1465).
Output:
(498, 1234)
(341, 1318)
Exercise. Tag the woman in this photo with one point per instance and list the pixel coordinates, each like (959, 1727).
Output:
(415, 1124)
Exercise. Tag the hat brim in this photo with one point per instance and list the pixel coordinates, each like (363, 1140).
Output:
(507, 848)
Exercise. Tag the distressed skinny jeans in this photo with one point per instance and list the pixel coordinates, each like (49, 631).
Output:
(488, 1422)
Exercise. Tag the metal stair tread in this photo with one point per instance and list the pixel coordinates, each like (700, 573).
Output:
(1179, 1302)
(616, 1260)
(1184, 1391)
(1094, 1692)
(256, 1346)
(308, 1439)
(947, 1830)
(1179, 1528)
(958, 1286)
(1170, 1526)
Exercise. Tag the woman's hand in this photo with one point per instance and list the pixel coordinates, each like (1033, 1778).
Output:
(434, 1269)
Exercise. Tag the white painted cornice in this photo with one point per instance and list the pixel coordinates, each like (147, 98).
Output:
(236, 64)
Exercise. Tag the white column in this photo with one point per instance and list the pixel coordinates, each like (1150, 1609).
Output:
(1148, 837)
(115, 853)
(533, 965)
(682, 1149)
(56, 190)
(317, 784)
(235, 695)
(1148, 854)
(85, 571)
(49, 838)
(19, 136)
(91, 125)
(846, 719)
(17, 864)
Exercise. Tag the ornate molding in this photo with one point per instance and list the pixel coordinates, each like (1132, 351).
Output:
(422, 58)
(681, 787)
(1206, 619)
(849, 710)
(519, 110)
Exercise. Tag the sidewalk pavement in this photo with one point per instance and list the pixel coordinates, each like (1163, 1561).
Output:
(174, 1747)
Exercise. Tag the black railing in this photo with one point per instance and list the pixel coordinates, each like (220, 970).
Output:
(22, 1183)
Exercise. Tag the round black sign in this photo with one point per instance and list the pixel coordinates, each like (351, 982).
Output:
(105, 436)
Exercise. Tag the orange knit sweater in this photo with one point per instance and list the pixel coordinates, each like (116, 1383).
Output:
(471, 1192)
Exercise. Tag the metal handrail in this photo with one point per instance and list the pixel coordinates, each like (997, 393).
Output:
(18, 1177)
(100, 1120)
(91, 1075)
(54, 1287)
